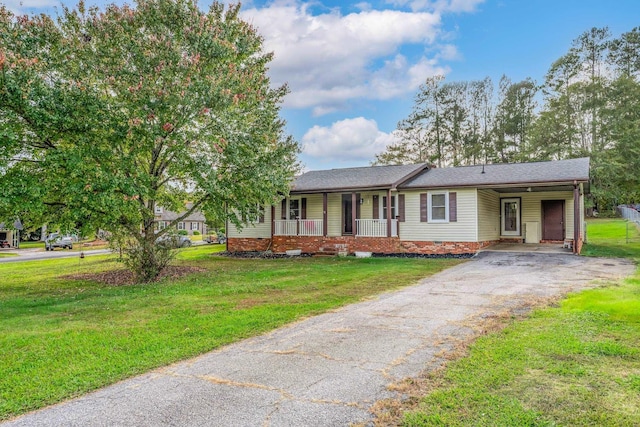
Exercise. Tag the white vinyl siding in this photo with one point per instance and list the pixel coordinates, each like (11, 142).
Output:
(334, 214)
(463, 230)
(366, 207)
(488, 215)
(531, 207)
(253, 230)
(314, 206)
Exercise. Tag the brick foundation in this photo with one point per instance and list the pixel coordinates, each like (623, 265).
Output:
(381, 245)
(248, 244)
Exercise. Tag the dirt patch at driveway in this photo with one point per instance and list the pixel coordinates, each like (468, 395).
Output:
(331, 369)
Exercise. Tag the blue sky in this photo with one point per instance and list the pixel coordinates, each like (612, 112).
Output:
(353, 67)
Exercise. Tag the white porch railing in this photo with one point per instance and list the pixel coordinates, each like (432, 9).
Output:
(298, 227)
(375, 227)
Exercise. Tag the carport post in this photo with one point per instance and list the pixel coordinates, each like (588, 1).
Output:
(576, 216)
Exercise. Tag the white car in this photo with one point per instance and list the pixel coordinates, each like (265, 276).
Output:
(174, 241)
(55, 240)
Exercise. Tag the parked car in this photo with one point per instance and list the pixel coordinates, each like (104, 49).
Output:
(55, 240)
(216, 238)
(174, 241)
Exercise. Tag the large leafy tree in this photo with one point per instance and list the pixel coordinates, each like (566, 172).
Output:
(105, 115)
(591, 108)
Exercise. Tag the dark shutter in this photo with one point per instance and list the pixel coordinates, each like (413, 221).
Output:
(401, 207)
(358, 198)
(283, 211)
(376, 207)
(453, 207)
(303, 208)
(261, 214)
(423, 207)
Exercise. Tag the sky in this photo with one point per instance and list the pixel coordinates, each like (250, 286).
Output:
(354, 67)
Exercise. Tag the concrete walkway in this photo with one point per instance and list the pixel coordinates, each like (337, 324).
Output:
(328, 370)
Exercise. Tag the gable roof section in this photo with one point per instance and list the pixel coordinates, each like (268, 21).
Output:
(370, 177)
(168, 215)
(559, 171)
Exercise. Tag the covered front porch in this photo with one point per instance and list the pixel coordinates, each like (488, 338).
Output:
(315, 227)
(349, 214)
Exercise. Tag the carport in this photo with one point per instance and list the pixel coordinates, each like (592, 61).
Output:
(10, 236)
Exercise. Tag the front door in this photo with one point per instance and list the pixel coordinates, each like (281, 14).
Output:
(347, 212)
(553, 219)
(510, 217)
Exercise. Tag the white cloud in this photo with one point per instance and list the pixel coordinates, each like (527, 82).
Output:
(330, 59)
(439, 6)
(363, 6)
(448, 52)
(20, 7)
(356, 139)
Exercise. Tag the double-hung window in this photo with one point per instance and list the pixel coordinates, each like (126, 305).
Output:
(438, 207)
(394, 211)
(294, 208)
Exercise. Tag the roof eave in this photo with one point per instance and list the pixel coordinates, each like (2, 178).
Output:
(340, 190)
(500, 185)
(410, 176)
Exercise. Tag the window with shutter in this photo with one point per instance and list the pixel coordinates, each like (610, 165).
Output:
(438, 207)
(394, 210)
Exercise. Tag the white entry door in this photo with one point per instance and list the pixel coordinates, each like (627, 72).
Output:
(510, 217)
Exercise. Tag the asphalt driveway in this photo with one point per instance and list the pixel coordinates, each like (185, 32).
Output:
(328, 370)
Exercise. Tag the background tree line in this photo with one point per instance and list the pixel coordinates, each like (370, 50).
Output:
(588, 105)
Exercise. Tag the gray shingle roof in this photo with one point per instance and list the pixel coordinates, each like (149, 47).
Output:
(504, 174)
(168, 215)
(354, 178)
(17, 225)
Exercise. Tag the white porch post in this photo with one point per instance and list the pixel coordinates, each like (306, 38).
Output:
(576, 216)
(389, 213)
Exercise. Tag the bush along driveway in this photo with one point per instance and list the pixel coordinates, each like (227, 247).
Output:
(331, 369)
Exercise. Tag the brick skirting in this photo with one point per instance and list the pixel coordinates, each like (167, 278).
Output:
(381, 245)
(248, 244)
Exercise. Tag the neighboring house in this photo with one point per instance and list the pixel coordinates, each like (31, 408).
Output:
(10, 237)
(194, 222)
(424, 210)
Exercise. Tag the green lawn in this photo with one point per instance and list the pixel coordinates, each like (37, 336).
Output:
(7, 255)
(31, 245)
(61, 338)
(576, 365)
